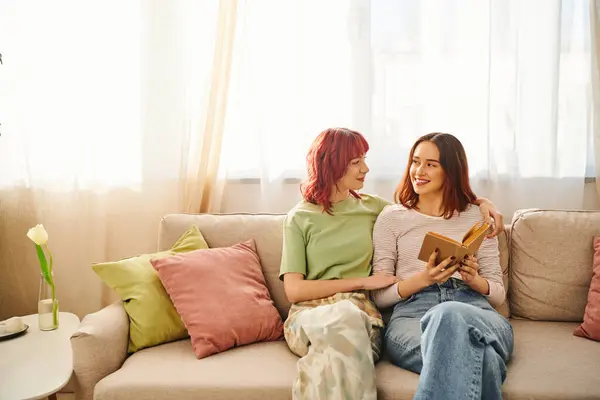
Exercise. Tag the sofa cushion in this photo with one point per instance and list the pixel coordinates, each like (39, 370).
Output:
(171, 371)
(221, 296)
(548, 363)
(228, 229)
(551, 254)
(153, 318)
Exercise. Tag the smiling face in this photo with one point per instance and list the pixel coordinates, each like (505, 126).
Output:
(354, 177)
(437, 170)
(426, 172)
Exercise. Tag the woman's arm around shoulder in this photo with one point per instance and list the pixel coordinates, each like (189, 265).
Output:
(490, 212)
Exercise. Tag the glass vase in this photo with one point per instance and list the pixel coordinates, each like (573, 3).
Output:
(47, 305)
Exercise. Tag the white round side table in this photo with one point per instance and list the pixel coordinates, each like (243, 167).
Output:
(39, 363)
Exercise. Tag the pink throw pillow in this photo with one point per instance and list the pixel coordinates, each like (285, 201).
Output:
(590, 328)
(221, 296)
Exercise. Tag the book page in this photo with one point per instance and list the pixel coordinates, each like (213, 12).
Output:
(476, 239)
(449, 247)
(477, 230)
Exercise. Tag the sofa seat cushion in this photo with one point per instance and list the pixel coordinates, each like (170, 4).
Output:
(549, 363)
(258, 371)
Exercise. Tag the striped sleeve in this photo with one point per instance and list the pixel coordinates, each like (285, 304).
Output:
(385, 255)
(489, 268)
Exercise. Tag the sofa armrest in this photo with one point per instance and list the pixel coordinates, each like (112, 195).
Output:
(99, 348)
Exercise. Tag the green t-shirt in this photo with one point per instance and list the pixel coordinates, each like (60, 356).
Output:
(323, 246)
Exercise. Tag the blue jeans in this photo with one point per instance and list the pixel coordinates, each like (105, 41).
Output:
(454, 338)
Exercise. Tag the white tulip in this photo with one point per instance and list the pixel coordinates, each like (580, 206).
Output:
(38, 235)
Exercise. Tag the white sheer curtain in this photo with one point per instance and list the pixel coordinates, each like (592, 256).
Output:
(65, 84)
(101, 104)
(510, 78)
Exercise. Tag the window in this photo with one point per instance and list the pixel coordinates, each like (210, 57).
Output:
(509, 78)
(70, 94)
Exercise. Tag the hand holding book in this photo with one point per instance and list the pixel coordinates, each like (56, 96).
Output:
(439, 272)
(431, 274)
(451, 248)
(469, 273)
(469, 268)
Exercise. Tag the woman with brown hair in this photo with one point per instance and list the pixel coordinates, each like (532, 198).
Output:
(325, 266)
(443, 325)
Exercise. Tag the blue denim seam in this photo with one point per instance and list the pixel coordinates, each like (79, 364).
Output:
(399, 343)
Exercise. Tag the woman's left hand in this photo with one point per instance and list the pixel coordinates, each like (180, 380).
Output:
(469, 272)
(469, 269)
(490, 212)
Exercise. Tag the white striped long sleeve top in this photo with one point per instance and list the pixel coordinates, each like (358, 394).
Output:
(397, 238)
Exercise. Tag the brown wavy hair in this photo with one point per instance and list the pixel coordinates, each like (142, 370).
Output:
(456, 188)
(327, 161)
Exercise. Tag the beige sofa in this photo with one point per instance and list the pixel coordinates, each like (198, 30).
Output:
(546, 256)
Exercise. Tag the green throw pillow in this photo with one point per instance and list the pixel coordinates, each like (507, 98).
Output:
(152, 317)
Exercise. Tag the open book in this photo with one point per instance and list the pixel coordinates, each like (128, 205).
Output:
(450, 247)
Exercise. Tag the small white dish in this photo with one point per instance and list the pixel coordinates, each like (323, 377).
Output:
(6, 336)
